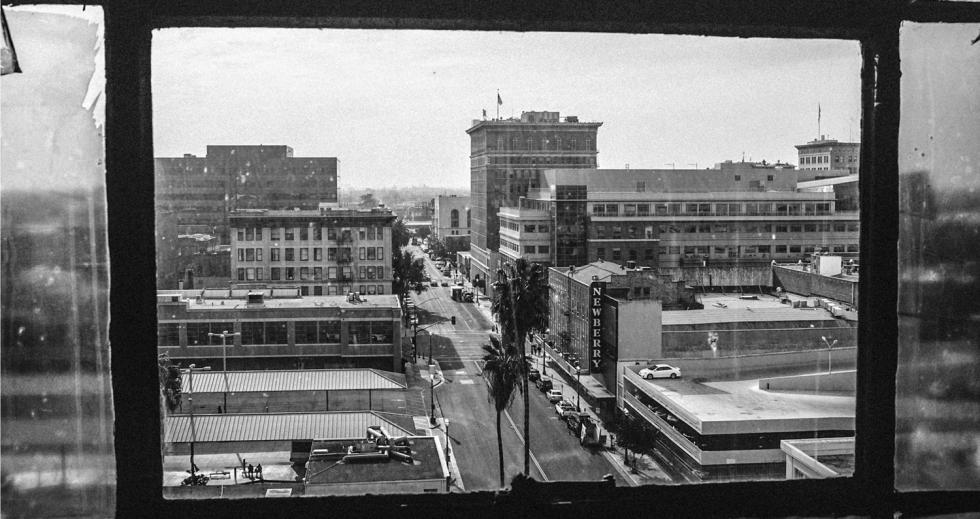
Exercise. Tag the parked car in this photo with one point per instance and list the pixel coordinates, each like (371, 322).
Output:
(467, 297)
(533, 374)
(554, 396)
(564, 408)
(660, 371)
(544, 383)
(445, 283)
(433, 283)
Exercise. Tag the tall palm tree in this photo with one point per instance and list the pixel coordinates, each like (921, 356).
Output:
(502, 371)
(521, 305)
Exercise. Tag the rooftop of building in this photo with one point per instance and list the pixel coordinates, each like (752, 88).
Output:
(532, 117)
(295, 380)
(739, 406)
(844, 179)
(227, 427)
(736, 308)
(824, 141)
(426, 463)
(653, 183)
(596, 271)
(270, 297)
(326, 209)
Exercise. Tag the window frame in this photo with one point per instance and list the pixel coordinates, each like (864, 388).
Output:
(130, 214)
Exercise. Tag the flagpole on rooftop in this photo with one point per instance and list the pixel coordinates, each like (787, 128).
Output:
(499, 102)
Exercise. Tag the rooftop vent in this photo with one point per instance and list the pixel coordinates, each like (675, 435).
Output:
(255, 298)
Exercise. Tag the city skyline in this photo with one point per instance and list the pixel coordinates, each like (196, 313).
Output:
(719, 100)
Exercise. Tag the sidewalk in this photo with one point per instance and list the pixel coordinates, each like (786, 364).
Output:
(426, 374)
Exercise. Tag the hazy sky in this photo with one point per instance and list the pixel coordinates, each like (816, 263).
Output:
(394, 106)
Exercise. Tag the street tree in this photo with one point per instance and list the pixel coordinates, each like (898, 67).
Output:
(170, 382)
(408, 273)
(520, 304)
(399, 235)
(502, 369)
(423, 232)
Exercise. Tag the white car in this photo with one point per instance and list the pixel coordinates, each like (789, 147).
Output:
(660, 371)
(563, 408)
(555, 396)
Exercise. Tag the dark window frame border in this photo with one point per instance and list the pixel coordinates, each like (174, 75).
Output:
(875, 24)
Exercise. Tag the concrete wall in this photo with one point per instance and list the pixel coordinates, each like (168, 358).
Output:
(745, 365)
(755, 338)
(722, 276)
(811, 284)
(840, 381)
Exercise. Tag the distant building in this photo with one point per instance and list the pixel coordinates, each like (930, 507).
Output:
(279, 329)
(506, 156)
(205, 190)
(328, 251)
(829, 154)
(451, 217)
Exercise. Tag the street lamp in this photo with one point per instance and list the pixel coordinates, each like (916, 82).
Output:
(190, 400)
(830, 359)
(224, 358)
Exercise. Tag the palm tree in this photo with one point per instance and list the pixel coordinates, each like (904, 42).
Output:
(502, 371)
(521, 305)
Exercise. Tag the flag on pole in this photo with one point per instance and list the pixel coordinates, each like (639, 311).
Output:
(484, 113)
(499, 100)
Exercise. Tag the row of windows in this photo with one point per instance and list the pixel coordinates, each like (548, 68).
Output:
(303, 254)
(555, 143)
(528, 227)
(542, 160)
(312, 231)
(712, 228)
(277, 332)
(730, 251)
(703, 209)
(333, 290)
(308, 273)
(632, 232)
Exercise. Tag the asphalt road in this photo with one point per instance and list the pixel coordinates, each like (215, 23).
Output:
(463, 398)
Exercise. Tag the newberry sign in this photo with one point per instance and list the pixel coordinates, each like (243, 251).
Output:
(596, 291)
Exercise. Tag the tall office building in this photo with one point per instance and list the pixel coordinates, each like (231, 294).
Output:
(506, 157)
(202, 191)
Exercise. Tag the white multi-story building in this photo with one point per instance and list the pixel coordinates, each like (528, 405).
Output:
(324, 252)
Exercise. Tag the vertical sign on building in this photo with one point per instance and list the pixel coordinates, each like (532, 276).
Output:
(596, 290)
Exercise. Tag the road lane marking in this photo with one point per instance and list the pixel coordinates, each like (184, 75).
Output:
(534, 460)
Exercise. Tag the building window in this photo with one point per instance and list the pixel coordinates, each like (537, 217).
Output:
(258, 274)
(317, 233)
(318, 290)
(274, 254)
(332, 233)
(381, 253)
(304, 254)
(600, 253)
(274, 273)
(274, 233)
(241, 274)
(290, 254)
(371, 253)
(304, 273)
(361, 253)
(454, 218)
(331, 273)
(317, 253)
(241, 254)
(290, 273)
(361, 272)
(289, 233)
(250, 254)
(617, 254)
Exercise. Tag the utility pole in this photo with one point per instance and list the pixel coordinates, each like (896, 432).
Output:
(224, 360)
(190, 399)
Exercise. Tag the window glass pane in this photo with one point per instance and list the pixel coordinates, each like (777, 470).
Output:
(57, 424)
(938, 381)
(706, 306)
